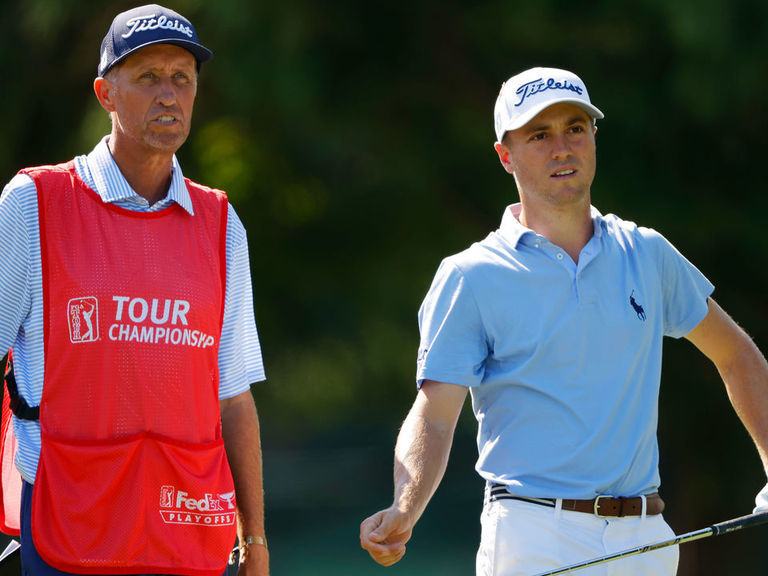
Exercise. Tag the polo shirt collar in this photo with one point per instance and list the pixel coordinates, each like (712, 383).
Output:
(110, 184)
(514, 232)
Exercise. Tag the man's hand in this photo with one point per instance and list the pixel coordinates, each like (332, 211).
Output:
(254, 561)
(384, 536)
(421, 454)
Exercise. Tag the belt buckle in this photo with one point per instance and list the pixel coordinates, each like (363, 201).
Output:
(597, 505)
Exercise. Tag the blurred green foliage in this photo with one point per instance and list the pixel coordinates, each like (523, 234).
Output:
(355, 141)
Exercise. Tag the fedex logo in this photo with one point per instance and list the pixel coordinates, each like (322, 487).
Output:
(83, 319)
(178, 507)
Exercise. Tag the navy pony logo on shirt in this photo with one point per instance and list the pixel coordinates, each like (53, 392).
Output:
(638, 309)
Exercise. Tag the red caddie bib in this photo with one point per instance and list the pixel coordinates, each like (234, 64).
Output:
(10, 479)
(133, 477)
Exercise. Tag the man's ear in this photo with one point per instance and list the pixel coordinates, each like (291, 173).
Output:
(104, 89)
(503, 153)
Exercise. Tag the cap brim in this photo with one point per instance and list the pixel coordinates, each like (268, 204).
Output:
(531, 113)
(200, 52)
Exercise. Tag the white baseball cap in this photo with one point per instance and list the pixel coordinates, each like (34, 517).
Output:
(528, 93)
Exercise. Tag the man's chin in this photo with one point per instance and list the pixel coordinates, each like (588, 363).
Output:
(166, 142)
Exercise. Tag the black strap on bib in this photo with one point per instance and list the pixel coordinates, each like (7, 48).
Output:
(19, 406)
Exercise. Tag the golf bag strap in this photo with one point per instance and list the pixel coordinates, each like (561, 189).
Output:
(19, 406)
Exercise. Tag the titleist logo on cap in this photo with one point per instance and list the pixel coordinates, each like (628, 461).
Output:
(539, 85)
(526, 94)
(149, 22)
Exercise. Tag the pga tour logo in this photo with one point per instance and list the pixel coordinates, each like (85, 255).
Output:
(83, 317)
(178, 507)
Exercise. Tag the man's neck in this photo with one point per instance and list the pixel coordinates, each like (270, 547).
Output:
(149, 174)
(570, 228)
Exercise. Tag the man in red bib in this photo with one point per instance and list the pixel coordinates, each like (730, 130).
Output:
(130, 320)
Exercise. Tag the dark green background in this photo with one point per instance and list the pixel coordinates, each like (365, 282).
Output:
(355, 140)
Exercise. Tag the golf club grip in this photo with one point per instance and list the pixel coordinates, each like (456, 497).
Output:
(739, 523)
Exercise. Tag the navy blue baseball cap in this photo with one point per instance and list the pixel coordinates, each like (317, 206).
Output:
(146, 25)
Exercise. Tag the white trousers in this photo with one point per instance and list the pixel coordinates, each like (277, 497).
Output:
(524, 539)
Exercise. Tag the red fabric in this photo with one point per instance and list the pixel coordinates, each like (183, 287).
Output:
(10, 486)
(133, 476)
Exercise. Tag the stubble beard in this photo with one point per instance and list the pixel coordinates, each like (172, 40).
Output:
(165, 140)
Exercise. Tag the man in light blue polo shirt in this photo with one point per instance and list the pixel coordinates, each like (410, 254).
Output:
(554, 324)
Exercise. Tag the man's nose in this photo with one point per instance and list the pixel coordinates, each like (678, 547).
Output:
(166, 92)
(561, 147)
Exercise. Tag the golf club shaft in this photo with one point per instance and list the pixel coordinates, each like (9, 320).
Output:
(715, 530)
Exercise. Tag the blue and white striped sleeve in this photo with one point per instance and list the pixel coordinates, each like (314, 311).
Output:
(15, 294)
(240, 362)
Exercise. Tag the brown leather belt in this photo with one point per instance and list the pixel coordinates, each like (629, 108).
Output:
(600, 506)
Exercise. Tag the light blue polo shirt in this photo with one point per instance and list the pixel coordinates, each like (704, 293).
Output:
(563, 361)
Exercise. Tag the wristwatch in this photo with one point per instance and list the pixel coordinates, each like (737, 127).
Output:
(248, 540)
